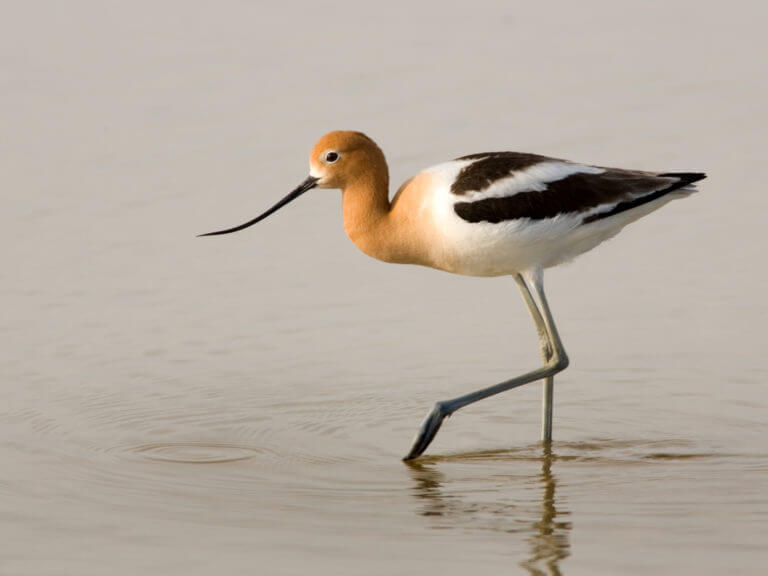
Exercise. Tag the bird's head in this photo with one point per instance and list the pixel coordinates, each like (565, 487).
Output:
(339, 159)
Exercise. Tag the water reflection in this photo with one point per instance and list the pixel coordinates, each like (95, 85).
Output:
(520, 504)
(549, 541)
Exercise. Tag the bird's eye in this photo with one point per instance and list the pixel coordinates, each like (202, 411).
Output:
(331, 157)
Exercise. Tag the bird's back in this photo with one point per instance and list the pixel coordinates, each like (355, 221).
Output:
(500, 212)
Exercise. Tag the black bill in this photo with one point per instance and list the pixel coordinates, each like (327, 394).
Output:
(308, 184)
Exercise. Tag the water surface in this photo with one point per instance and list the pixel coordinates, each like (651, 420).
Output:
(240, 405)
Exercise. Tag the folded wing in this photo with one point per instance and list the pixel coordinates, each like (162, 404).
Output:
(501, 186)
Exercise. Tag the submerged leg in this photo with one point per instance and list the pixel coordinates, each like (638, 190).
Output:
(558, 361)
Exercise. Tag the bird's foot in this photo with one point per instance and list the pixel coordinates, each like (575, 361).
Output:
(428, 430)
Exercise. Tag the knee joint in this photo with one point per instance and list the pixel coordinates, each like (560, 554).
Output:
(559, 363)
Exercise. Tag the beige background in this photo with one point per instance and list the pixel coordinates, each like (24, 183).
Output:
(296, 369)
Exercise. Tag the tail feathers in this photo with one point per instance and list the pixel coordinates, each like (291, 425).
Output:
(683, 187)
(684, 178)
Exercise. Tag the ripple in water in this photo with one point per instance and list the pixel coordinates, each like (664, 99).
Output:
(195, 452)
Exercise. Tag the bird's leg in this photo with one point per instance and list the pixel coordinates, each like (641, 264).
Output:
(534, 279)
(546, 353)
(558, 361)
(541, 328)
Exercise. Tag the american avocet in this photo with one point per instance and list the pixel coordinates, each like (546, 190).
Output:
(489, 214)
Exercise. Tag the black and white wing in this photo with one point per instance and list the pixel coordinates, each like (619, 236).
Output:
(503, 186)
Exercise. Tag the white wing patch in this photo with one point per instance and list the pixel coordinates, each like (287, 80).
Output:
(532, 179)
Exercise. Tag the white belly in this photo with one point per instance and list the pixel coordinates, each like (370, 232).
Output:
(485, 249)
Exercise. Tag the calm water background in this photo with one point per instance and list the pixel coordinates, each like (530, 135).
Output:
(239, 405)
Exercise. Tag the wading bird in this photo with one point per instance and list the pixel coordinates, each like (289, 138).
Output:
(488, 214)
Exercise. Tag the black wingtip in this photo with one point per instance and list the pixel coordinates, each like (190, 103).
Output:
(685, 177)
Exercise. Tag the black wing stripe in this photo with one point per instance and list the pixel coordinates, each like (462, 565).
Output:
(684, 179)
(492, 166)
(622, 189)
(575, 193)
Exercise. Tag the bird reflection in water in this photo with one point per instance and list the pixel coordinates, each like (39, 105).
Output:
(549, 540)
(512, 509)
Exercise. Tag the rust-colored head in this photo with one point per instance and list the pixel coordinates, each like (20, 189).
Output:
(339, 159)
(342, 157)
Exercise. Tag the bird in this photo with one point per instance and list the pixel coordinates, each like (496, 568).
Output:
(487, 214)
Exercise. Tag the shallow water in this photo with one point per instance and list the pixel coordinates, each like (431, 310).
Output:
(175, 405)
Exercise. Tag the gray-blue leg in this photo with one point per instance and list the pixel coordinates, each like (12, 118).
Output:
(532, 288)
(546, 353)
